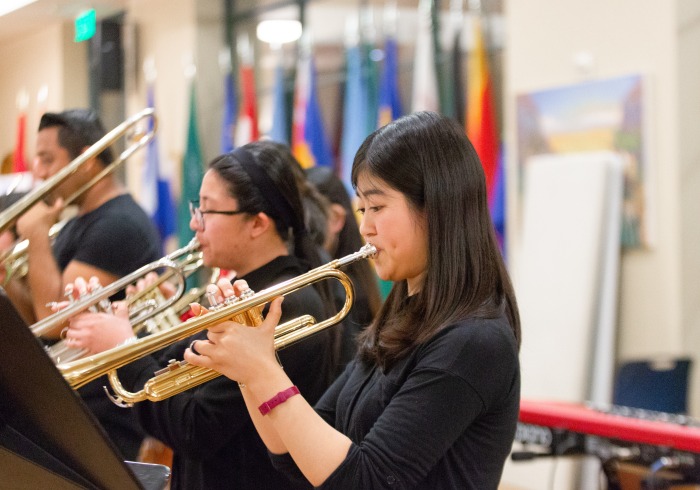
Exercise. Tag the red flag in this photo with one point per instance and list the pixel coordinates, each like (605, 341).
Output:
(481, 117)
(247, 127)
(19, 162)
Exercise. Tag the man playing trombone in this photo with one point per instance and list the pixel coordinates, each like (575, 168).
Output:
(108, 238)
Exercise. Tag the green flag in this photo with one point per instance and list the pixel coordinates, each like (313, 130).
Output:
(192, 174)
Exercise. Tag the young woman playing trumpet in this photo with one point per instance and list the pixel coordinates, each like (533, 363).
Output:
(249, 219)
(431, 401)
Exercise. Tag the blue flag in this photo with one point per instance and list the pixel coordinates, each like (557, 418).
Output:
(230, 113)
(314, 132)
(280, 128)
(389, 96)
(156, 197)
(497, 204)
(355, 110)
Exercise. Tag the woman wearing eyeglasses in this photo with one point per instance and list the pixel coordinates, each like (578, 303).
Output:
(248, 219)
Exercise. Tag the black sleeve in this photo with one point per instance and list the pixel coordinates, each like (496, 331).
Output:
(196, 422)
(418, 426)
(424, 415)
(326, 409)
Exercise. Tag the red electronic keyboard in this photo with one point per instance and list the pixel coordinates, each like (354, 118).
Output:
(612, 433)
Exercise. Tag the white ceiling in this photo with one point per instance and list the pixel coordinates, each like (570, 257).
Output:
(46, 12)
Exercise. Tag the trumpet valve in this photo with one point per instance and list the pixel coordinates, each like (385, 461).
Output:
(172, 366)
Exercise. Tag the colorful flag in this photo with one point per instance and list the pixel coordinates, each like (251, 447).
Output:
(355, 110)
(156, 197)
(280, 128)
(497, 203)
(18, 161)
(247, 127)
(425, 84)
(481, 118)
(389, 96)
(309, 142)
(192, 173)
(230, 112)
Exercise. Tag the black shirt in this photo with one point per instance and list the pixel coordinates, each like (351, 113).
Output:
(443, 417)
(214, 442)
(117, 237)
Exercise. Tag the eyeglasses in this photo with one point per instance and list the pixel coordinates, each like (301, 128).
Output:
(198, 214)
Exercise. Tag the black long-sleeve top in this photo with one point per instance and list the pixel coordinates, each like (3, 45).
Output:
(214, 442)
(443, 417)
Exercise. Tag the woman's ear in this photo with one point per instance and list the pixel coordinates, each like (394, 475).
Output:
(336, 218)
(260, 224)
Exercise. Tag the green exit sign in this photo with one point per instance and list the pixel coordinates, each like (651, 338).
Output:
(85, 25)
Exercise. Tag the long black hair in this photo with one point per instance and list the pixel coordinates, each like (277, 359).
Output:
(426, 157)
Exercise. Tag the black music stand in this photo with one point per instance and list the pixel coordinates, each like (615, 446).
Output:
(48, 437)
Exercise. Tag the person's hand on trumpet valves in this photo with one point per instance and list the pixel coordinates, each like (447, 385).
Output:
(95, 331)
(237, 351)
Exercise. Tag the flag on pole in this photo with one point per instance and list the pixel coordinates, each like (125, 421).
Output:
(497, 204)
(247, 127)
(389, 97)
(355, 111)
(192, 173)
(19, 163)
(481, 118)
(230, 112)
(156, 197)
(458, 86)
(280, 129)
(370, 73)
(425, 85)
(309, 142)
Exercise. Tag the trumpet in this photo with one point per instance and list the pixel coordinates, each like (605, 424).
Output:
(179, 270)
(181, 376)
(15, 259)
(143, 306)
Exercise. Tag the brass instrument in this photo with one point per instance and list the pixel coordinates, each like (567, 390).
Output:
(15, 259)
(53, 322)
(143, 306)
(180, 376)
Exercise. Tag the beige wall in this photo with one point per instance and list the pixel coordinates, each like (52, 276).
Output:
(48, 58)
(658, 285)
(688, 29)
(165, 32)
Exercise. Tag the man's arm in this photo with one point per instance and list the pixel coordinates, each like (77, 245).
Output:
(45, 279)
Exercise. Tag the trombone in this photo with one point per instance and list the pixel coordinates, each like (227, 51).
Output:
(181, 376)
(10, 215)
(192, 259)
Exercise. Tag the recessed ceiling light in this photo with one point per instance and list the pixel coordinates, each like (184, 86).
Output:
(279, 31)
